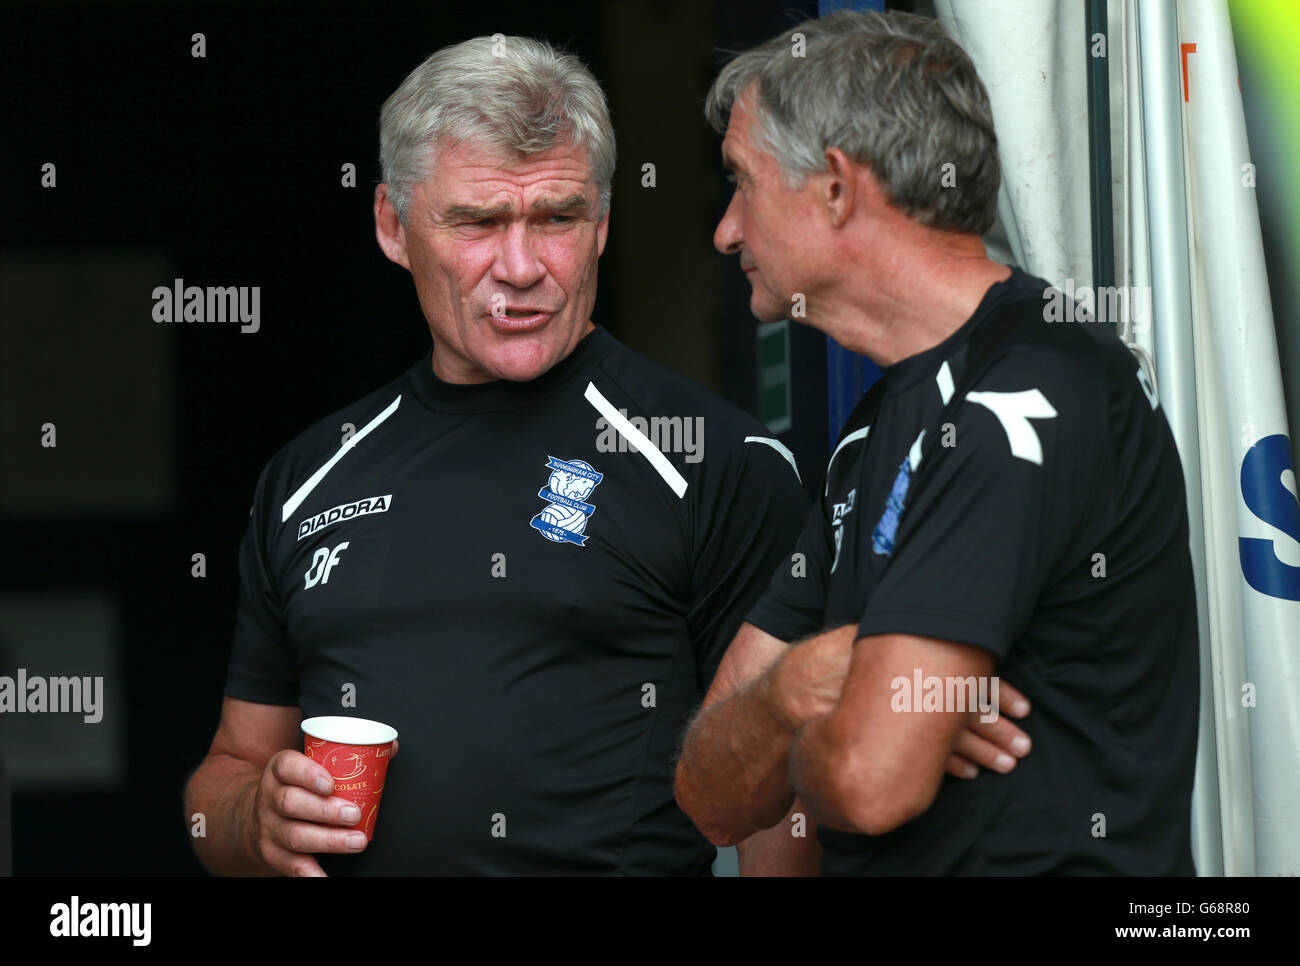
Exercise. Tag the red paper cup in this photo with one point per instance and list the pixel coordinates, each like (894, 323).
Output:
(356, 751)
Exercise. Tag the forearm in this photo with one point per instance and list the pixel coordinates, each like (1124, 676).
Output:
(733, 777)
(813, 773)
(788, 848)
(223, 789)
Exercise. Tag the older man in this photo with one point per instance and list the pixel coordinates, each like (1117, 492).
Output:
(526, 554)
(1007, 500)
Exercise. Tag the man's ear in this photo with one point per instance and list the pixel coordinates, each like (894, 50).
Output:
(389, 231)
(839, 187)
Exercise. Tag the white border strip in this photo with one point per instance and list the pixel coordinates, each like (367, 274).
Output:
(293, 502)
(781, 448)
(637, 439)
(853, 437)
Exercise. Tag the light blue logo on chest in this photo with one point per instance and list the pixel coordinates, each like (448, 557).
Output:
(882, 537)
(565, 517)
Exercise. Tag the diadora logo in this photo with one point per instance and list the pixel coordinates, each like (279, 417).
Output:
(570, 483)
(322, 563)
(344, 511)
(838, 513)
(843, 509)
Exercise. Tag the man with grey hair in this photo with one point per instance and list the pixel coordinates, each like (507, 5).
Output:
(537, 650)
(1006, 501)
(500, 560)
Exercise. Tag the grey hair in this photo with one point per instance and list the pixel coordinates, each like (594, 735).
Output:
(893, 92)
(514, 94)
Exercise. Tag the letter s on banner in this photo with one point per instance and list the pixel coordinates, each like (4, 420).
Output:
(1269, 500)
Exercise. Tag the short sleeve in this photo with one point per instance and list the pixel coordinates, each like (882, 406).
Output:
(262, 665)
(749, 519)
(794, 603)
(990, 516)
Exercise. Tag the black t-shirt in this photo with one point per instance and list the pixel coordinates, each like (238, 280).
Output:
(1041, 517)
(534, 605)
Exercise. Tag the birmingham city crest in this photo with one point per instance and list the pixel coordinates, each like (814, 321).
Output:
(565, 517)
(882, 537)
(886, 531)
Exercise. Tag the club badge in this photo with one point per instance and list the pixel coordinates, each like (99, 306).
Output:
(565, 517)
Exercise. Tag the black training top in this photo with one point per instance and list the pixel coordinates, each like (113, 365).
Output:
(533, 604)
(1041, 516)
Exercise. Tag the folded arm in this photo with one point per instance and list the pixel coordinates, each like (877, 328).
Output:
(869, 766)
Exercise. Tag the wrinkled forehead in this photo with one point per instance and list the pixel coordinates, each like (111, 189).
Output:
(481, 169)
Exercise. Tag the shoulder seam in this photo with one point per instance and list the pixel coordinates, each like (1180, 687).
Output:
(292, 504)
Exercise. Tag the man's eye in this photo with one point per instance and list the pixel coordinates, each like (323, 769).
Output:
(731, 178)
(561, 218)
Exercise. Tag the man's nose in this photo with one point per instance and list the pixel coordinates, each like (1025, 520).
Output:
(727, 237)
(517, 263)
